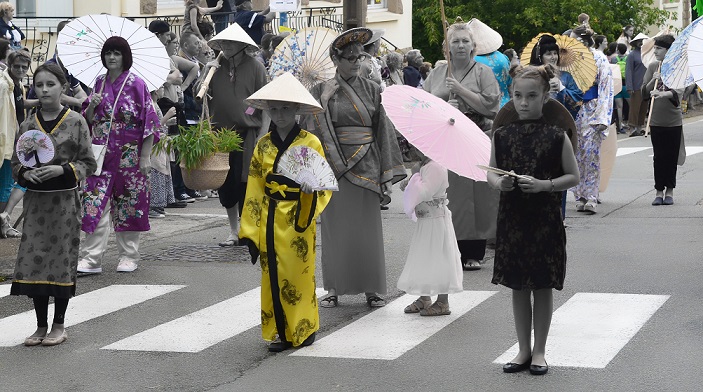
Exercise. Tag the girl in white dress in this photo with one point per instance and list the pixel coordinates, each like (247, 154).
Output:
(433, 266)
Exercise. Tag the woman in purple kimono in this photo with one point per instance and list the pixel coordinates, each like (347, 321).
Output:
(122, 116)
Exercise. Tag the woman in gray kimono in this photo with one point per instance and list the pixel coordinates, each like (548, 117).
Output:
(360, 145)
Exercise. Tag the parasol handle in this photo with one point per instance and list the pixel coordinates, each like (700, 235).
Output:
(206, 82)
(446, 40)
(651, 103)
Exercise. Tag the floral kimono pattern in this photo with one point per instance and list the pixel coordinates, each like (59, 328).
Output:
(121, 183)
(278, 222)
(595, 112)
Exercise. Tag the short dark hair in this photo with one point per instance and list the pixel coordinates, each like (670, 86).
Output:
(17, 55)
(664, 41)
(598, 39)
(622, 49)
(119, 44)
(53, 69)
(159, 26)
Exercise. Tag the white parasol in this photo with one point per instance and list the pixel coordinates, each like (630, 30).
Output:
(80, 42)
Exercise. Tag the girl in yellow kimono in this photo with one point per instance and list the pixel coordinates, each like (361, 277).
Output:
(278, 220)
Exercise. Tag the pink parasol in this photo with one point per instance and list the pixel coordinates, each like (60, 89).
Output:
(439, 130)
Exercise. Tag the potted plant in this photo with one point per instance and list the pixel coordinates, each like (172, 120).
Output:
(203, 153)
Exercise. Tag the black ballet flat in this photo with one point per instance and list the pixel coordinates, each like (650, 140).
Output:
(539, 370)
(512, 367)
(309, 340)
(277, 347)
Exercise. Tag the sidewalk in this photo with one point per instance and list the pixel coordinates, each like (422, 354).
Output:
(196, 217)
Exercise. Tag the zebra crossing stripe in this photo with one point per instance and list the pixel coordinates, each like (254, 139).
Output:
(84, 307)
(693, 150)
(630, 150)
(5, 290)
(202, 329)
(395, 332)
(591, 328)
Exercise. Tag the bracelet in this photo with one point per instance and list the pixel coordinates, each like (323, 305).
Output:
(550, 180)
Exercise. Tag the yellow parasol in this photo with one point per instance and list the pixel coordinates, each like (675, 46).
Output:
(574, 58)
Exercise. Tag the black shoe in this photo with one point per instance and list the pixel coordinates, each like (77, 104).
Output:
(384, 208)
(177, 204)
(539, 370)
(512, 367)
(639, 132)
(184, 197)
(277, 347)
(197, 195)
(310, 340)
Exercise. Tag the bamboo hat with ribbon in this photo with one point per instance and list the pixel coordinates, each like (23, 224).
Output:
(285, 88)
(486, 39)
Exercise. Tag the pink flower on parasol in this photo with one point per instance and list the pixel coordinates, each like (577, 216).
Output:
(439, 130)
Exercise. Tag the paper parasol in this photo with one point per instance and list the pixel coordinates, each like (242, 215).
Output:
(574, 58)
(303, 164)
(34, 148)
(80, 42)
(438, 129)
(695, 54)
(675, 72)
(305, 54)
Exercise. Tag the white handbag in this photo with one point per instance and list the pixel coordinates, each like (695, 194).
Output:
(99, 150)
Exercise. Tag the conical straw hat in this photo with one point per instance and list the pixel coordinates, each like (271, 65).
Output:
(234, 33)
(285, 88)
(486, 40)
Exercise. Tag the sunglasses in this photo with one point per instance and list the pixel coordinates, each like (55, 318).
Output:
(354, 59)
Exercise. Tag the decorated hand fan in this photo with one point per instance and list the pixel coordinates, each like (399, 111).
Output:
(34, 148)
(305, 165)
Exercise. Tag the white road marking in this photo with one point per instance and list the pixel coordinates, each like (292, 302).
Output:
(591, 328)
(84, 307)
(394, 332)
(630, 150)
(202, 329)
(5, 290)
(689, 151)
(693, 150)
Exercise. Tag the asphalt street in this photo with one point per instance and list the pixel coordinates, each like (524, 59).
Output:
(630, 317)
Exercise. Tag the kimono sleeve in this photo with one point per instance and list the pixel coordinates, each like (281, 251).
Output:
(251, 229)
(148, 115)
(84, 163)
(571, 96)
(311, 205)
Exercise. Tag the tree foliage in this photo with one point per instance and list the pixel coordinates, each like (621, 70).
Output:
(518, 21)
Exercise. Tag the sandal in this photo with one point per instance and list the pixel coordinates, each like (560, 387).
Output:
(417, 306)
(329, 302)
(471, 265)
(8, 231)
(375, 301)
(436, 309)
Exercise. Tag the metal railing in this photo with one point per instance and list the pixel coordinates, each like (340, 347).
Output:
(41, 32)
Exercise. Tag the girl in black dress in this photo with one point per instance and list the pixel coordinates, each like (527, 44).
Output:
(529, 258)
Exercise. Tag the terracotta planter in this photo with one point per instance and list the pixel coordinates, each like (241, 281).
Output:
(211, 174)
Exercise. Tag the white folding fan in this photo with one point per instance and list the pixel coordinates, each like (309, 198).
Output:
(303, 164)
